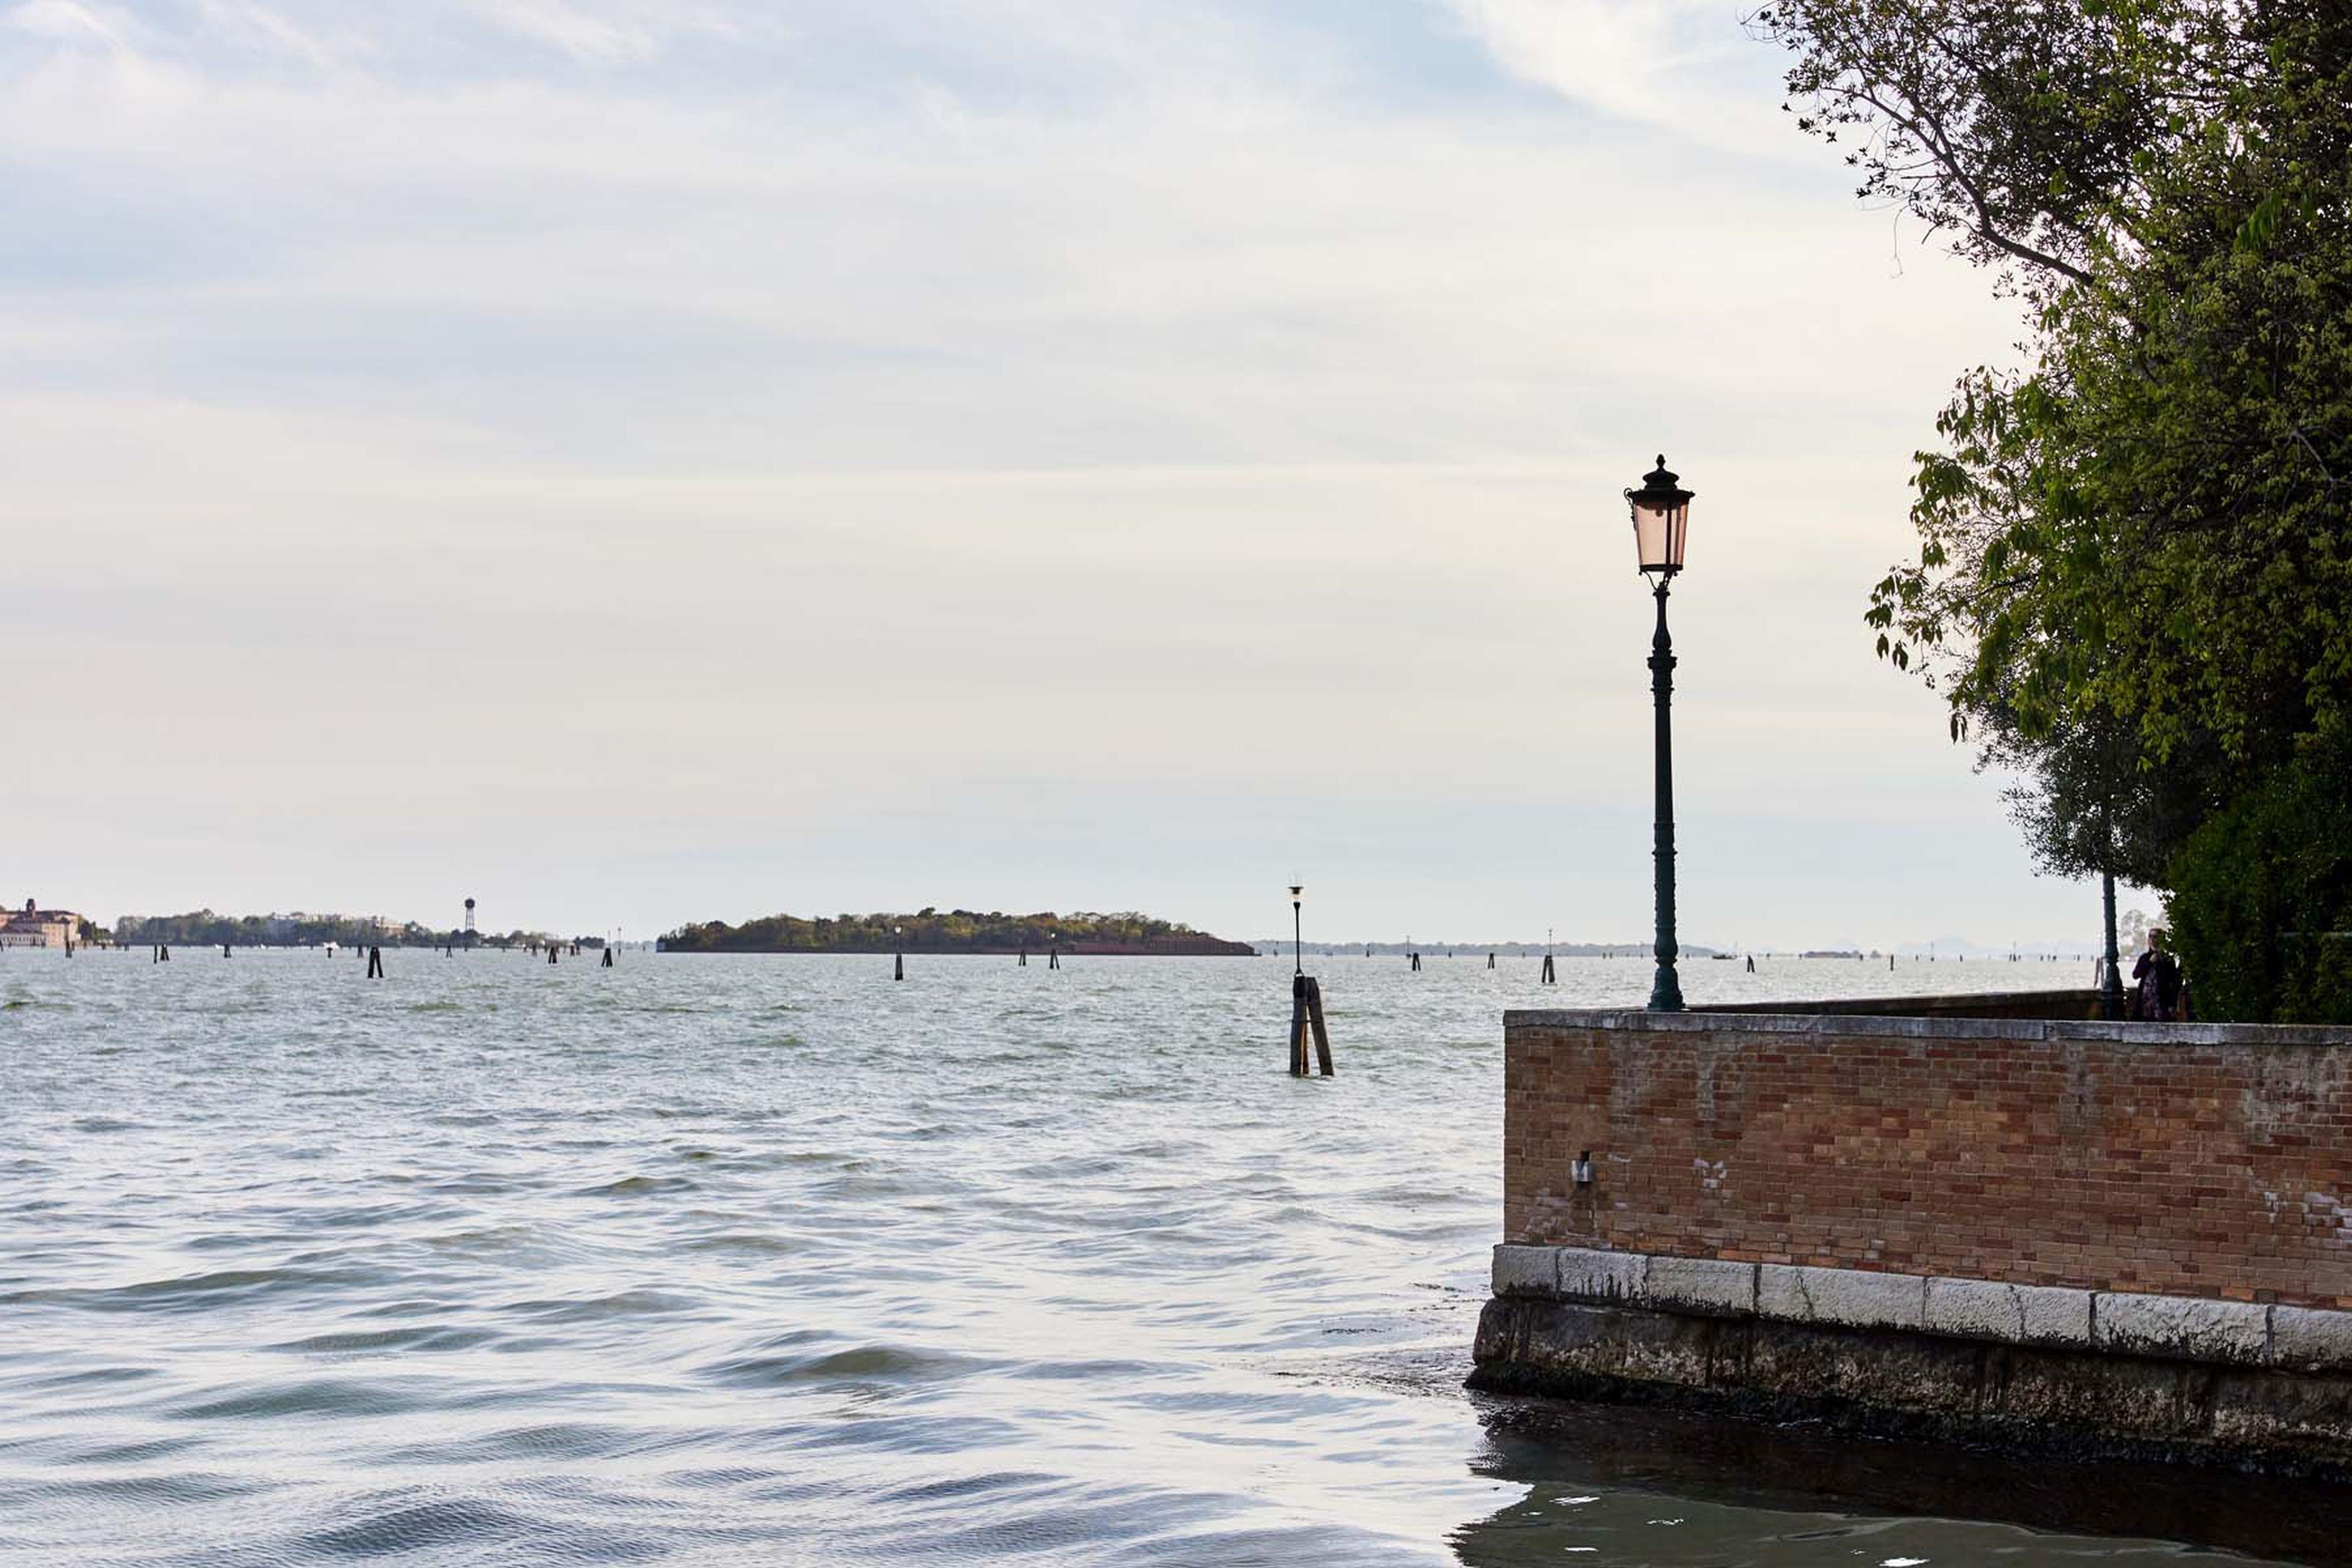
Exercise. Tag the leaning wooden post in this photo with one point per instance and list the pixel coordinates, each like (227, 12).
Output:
(1299, 1027)
(375, 964)
(1322, 1035)
(608, 956)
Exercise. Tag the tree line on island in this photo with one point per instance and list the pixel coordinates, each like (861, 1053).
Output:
(203, 929)
(2133, 584)
(931, 930)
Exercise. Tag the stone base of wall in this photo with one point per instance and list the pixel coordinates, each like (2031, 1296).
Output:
(2037, 1368)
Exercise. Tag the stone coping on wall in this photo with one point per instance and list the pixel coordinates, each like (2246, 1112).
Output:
(1796, 1020)
(2115, 1323)
(2071, 1002)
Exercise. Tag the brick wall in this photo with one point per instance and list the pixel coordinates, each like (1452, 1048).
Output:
(2200, 1160)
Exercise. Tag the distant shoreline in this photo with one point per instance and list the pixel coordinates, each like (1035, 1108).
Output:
(1200, 948)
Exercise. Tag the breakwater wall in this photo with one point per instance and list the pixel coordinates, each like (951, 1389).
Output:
(2050, 1230)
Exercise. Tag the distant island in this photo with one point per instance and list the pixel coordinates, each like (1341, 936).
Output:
(203, 929)
(1640, 949)
(956, 931)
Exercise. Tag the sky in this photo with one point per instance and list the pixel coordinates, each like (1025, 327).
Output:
(642, 461)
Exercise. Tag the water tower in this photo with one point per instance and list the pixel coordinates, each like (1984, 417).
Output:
(470, 937)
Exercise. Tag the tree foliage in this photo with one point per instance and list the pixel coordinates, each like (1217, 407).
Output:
(2021, 133)
(203, 929)
(2262, 897)
(956, 931)
(2134, 576)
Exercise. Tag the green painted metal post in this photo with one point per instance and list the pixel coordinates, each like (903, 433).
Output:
(1665, 991)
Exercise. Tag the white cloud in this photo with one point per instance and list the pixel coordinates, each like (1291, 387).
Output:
(249, 22)
(1683, 67)
(67, 21)
(576, 32)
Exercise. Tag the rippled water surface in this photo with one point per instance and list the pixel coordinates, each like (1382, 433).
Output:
(770, 1260)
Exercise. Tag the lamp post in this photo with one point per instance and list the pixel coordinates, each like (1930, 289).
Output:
(2111, 986)
(1661, 521)
(1297, 948)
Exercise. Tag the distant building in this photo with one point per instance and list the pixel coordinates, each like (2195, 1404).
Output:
(33, 926)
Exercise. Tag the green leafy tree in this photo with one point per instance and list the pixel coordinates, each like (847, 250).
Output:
(2135, 568)
(2263, 898)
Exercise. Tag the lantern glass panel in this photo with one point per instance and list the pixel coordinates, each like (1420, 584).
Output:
(1658, 534)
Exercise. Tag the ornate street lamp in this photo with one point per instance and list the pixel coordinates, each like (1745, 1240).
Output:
(1661, 521)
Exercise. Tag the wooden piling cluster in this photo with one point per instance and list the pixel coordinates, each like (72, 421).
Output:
(1306, 1021)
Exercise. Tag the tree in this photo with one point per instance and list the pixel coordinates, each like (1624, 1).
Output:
(2262, 900)
(2020, 132)
(2139, 545)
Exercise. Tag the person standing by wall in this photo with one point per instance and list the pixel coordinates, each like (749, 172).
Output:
(2157, 979)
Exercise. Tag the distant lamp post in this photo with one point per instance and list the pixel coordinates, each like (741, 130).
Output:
(1297, 944)
(2111, 981)
(1660, 523)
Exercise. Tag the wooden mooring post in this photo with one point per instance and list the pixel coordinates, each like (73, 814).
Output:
(375, 964)
(1306, 1023)
(608, 956)
(1305, 1001)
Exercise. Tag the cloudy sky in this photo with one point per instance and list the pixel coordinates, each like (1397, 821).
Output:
(643, 460)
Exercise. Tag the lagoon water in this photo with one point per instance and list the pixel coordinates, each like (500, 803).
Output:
(769, 1259)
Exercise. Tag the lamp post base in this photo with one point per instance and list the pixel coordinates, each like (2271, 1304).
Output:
(1667, 992)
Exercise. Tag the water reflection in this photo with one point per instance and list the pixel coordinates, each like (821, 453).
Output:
(1628, 1485)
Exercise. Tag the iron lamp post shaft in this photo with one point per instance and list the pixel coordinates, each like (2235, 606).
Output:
(1665, 991)
(2111, 989)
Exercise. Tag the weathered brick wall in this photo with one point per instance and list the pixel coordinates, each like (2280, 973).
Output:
(2200, 1160)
